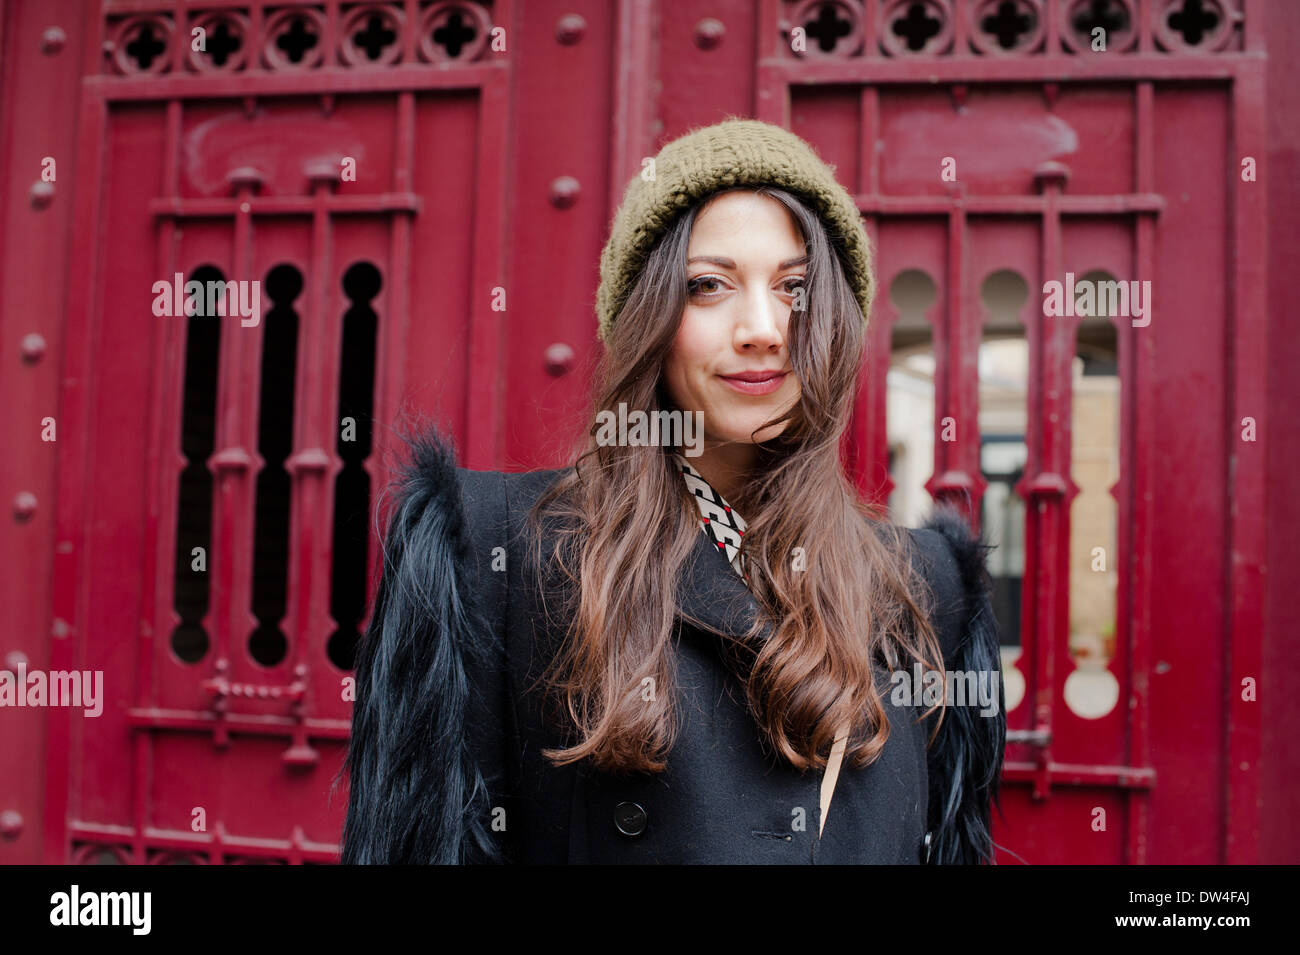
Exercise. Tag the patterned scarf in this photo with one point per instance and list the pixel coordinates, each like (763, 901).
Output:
(722, 525)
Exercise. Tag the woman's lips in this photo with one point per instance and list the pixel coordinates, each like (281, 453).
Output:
(755, 382)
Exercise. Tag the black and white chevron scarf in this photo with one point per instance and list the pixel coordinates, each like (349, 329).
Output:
(720, 523)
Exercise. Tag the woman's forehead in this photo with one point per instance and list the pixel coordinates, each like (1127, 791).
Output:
(745, 225)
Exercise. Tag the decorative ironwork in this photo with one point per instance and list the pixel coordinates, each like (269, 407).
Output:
(302, 36)
(1008, 28)
(1116, 19)
(910, 27)
(94, 845)
(372, 35)
(454, 32)
(295, 37)
(94, 853)
(139, 45)
(830, 28)
(173, 857)
(225, 43)
(1196, 26)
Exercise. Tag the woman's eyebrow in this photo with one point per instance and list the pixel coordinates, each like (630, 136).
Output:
(728, 264)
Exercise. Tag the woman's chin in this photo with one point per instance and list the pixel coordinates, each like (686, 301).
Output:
(744, 433)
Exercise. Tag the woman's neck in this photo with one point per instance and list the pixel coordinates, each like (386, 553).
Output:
(726, 466)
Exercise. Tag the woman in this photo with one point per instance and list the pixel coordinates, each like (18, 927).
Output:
(674, 651)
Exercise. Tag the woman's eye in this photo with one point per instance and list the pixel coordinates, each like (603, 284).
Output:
(695, 285)
(708, 285)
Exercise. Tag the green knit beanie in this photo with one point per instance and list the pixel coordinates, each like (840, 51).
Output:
(735, 152)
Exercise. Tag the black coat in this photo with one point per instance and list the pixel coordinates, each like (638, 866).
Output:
(445, 761)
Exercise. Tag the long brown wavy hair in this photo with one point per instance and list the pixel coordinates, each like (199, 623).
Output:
(625, 525)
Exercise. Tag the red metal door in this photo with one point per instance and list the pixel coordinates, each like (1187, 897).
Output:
(216, 513)
(999, 142)
(421, 191)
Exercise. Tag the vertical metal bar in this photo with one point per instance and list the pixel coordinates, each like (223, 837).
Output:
(1053, 14)
(1255, 25)
(314, 462)
(181, 41)
(1247, 361)
(870, 442)
(162, 469)
(633, 119)
(966, 330)
(390, 346)
(1137, 381)
(331, 32)
(956, 480)
(485, 384)
(236, 463)
(771, 94)
(410, 36)
(868, 153)
(1146, 33)
(80, 379)
(961, 28)
(256, 21)
(1046, 551)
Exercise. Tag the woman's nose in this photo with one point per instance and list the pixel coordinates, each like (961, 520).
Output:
(759, 323)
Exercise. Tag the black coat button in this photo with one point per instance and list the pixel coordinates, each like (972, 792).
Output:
(630, 818)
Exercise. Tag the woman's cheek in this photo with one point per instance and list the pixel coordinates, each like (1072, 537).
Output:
(693, 369)
(796, 393)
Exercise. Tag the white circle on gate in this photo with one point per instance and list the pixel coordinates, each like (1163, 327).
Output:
(1091, 691)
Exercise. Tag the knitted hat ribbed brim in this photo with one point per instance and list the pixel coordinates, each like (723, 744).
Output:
(734, 152)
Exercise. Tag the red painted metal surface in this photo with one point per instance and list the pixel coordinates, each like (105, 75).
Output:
(454, 276)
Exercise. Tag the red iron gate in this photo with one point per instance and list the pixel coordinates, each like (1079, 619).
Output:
(394, 177)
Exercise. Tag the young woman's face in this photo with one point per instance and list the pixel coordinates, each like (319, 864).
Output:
(745, 262)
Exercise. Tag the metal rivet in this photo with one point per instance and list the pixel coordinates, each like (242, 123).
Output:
(41, 194)
(570, 29)
(245, 177)
(709, 33)
(33, 347)
(15, 659)
(564, 192)
(52, 40)
(24, 505)
(11, 824)
(559, 359)
(322, 172)
(1051, 173)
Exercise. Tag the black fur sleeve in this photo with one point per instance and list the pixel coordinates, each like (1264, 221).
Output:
(965, 761)
(424, 756)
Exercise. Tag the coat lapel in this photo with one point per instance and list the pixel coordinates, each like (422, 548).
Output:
(712, 597)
